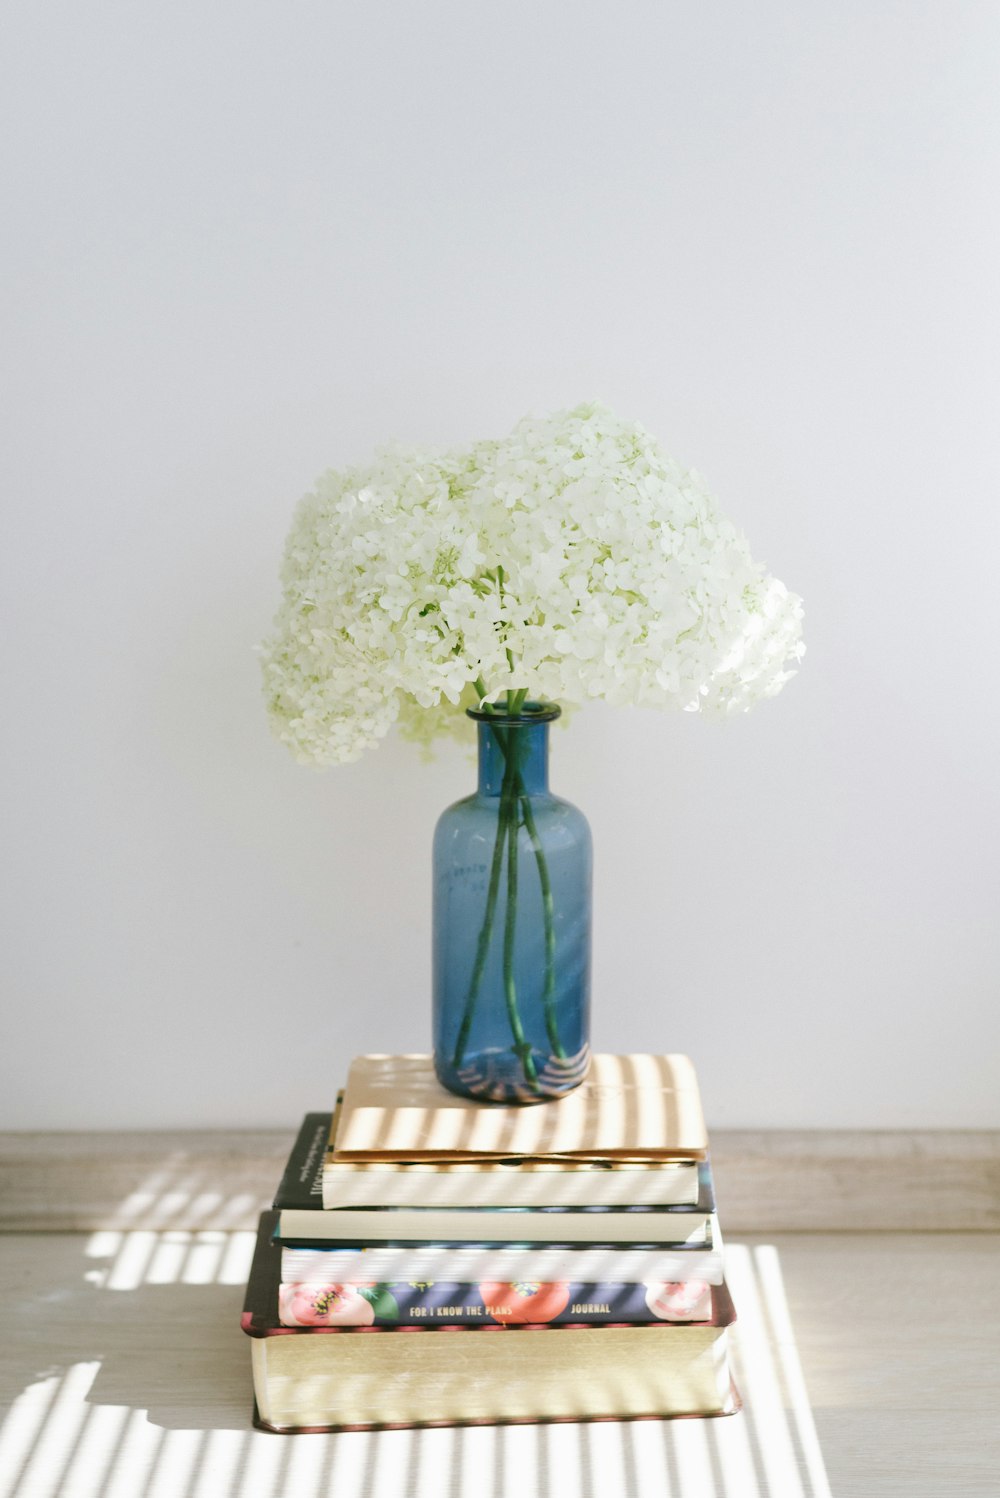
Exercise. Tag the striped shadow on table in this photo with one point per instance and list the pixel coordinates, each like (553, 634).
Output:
(164, 1412)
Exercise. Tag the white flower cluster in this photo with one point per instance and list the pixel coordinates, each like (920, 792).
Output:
(575, 559)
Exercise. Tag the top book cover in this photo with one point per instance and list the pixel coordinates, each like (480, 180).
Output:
(634, 1107)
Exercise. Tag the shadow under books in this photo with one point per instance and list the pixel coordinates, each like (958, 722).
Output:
(173, 1350)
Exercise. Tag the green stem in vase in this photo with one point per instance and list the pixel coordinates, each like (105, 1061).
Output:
(548, 907)
(507, 803)
(486, 929)
(514, 802)
(548, 914)
(521, 1046)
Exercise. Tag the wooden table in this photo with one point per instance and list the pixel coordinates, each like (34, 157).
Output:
(869, 1360)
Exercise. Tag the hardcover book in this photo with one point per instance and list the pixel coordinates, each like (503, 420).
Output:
(509, 1181)
(459, 1245)
(466, 1263)
(683, 1187)
(343, 1377)
(636, 1107)
(398, 1226)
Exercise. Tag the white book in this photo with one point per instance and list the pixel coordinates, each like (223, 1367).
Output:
(423, 1226)
(609, 1265)
(510, 1184)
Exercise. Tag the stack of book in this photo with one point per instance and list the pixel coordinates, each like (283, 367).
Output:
(430, 1260)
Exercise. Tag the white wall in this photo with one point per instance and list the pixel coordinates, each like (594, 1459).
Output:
(248, 242)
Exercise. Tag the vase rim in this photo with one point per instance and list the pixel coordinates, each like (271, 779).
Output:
(531, 712)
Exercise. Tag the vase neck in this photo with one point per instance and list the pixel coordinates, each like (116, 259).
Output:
(525, 744)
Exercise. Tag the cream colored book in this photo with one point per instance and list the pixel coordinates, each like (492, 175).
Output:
(510, 1183)
(507, 1182)
(358, 1377)
(634, 1107)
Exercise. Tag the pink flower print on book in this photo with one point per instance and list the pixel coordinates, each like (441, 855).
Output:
(686, 1300)
(324, 1305)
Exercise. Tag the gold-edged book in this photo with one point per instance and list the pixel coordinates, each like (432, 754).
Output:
(633, 1108)
(335, 1378)
(507, 1182)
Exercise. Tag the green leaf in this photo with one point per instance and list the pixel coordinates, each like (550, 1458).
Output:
(381, 1300)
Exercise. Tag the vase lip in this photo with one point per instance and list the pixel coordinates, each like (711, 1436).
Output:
(531, 712)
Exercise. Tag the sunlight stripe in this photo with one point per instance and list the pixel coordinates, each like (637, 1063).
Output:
(168, 1257)
(604, 1454)
(133, 1259)
(565, 1458)
(518, 1445)
(649, 1457)
(481, 1453)
(732, 1444)
(238, 1256)
(104, 1244)
(54, 1448)
(391, 1475)
(94, 1457)
(265, 1456)
(765, 1401)
(305, 1467)
(176, 1461)
(204, 1258)
(219, 1463)
(694, 1462)
(25, 1418)
(135, 1458)
(433, 1459)
(776, 1302)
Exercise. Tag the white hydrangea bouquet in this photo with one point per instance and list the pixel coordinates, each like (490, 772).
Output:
(574, 560)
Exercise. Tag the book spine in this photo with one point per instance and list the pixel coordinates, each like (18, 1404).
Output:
(462, 1263)
(510, 1186)
(401, 1226)
(301, 1186)
(450, 1303)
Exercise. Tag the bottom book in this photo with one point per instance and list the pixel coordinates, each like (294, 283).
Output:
(339, 1377)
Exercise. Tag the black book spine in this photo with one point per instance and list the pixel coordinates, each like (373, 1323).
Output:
(302, 1183)
(261, 1302)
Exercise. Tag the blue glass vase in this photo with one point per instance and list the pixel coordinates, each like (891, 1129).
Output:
(512, 923)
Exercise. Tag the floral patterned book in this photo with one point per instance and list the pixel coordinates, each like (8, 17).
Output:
(514, 1303)
(519, 1303)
